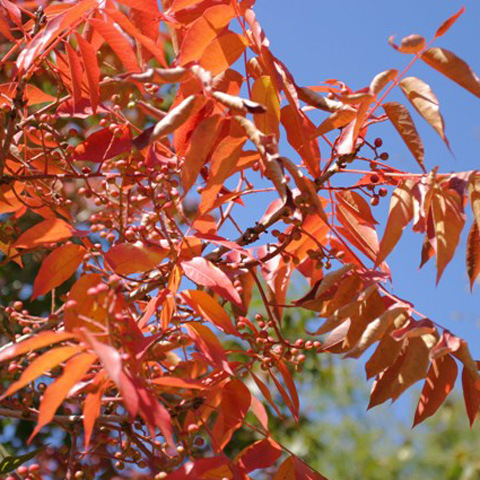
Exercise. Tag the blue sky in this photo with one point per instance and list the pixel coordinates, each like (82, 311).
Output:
(348, 41)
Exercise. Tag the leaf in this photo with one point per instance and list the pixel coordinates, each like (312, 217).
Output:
(58, 267)
(203, 31)
(40, 340)
(410, 44)
(449, 220)
(410, 367)
(92, 406)
(265, 392)
(300, 135)
(76, 73)
(294, 469)
(425, 102)
(337, 119)
(473, 253)
(222, 52)
(49, 231)
(205, 273)
(208, 344)
(474, 195)
(261, 454)
(287, 378)
(438, 384)
(357, 205)
(91, 69)
(201, 143)
(117, 42)
(264, 92)
(128, 27)
(40, 366)
(209, 309)
(400, 215)
(377, 328)
(176, 117)
(127, 258)
(12, 462)
(380, 81)
(454, 68)
(39, 45)
(238, 103)
(445, 26)
(223, 162)
(403, 122)
(103, 145)
(236, 401)
(175, 382)
(56, 392)
(471, 395)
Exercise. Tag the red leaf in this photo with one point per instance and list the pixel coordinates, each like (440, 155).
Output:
(76, 73)
(58, 267)
(102, 145)
(438, 384)
(48, 231)
(261, 454)
(445, 26)
(209, 309)
(118, 43)
(208, 344)
(471, 395)
(56, 392)
(91, 69)
(38, 46)
(473, 253)
(205, 273)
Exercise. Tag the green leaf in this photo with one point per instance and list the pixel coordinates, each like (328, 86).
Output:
(11, 462)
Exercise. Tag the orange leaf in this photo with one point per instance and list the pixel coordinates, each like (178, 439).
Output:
(400, 215)
(129, 28)
(201, 33)
(300, 135)
(448, 220)
(40, 366)
(205, 273)
(264, 92)
(127, 258)
(58, 267)
(380, 81)
(438, 384)
(292, 389)
(39, 340)
(176, 382)
(201, 142)
(209, 309)
(48, 231)
(425, 102)
(92, 406)
(454, 68)
(473, 253)
(337, 119)
(91, 69)
(445, 26)
(205, 224)
(410, 44)
(474, 195)
(222, 164)
(56, 392)
(266, 393)
(222, 52)
(117, 42)
(357, 205)
(403, 122)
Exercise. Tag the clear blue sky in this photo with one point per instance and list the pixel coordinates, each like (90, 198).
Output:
(348, 40)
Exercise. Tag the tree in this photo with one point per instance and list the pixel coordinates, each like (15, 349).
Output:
(139, 337)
